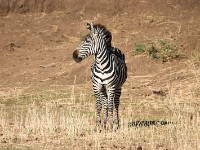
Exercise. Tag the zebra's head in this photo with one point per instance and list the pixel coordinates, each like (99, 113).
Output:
(93, 42)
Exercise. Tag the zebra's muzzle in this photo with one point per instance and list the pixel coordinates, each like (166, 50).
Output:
(76, 57)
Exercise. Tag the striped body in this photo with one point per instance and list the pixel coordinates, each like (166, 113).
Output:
(109, 68)
(108, 72)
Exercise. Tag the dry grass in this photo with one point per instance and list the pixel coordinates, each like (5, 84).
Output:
(65, 119)
(61, 119)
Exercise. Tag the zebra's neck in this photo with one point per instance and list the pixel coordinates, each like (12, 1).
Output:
(102, 58)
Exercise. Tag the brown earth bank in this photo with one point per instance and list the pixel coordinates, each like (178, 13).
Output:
(112, 6)
(37, 39)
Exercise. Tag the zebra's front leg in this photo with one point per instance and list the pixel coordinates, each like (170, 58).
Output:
(111, 97)
(105, 113)
(104, 97)
(98, 109)
(100, 94)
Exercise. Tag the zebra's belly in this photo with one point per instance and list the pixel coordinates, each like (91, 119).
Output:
(114, 76)
(104, 79)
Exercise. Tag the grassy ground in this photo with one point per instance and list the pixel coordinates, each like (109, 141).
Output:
(61, 119)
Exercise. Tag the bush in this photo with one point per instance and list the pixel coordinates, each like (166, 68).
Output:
(159, 49)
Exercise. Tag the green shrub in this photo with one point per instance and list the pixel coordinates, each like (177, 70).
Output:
(140, 48)
(159, 49)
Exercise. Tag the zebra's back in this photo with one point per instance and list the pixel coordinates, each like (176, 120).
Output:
(118, 53)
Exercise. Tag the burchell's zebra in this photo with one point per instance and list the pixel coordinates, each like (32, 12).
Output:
(108, 72)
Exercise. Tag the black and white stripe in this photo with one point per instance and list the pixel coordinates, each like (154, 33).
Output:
(108, 72)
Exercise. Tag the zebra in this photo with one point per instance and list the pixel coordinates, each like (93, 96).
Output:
(108, 71)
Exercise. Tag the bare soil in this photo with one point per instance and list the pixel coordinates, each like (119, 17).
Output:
(38, 38)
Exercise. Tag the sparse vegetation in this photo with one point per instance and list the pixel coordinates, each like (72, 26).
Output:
(66, 120)
(159, 49)
(139, 48)
(82, 36)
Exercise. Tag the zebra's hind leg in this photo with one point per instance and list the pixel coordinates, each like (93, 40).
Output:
(111, 97)
(116, 106)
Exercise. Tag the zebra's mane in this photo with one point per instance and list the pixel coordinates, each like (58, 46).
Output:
(101, 29)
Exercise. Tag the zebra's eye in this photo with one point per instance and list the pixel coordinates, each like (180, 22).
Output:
(87, 40)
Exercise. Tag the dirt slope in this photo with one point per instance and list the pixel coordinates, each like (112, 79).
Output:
(37, 39)
(107, 7)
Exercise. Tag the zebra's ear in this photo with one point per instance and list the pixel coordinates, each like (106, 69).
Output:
(89, 26)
